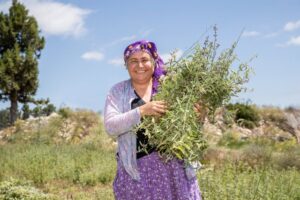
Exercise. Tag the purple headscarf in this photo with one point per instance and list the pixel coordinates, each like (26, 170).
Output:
(151, 49)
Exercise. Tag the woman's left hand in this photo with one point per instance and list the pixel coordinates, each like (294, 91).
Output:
(201, 111)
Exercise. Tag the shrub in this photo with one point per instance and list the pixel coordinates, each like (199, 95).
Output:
(257, 156)
(15, 189)
(290, 158)
(273, 115)
(245, 115)
(65, 112)
(232, 139)
(4, 118)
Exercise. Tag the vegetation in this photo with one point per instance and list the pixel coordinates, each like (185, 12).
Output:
(39, 162)
(20, 48)
(237, 182)
(15, 189)
(206, 77)
(244, 114)
(4, 118)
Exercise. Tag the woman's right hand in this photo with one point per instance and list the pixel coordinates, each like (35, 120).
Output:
(153, 108)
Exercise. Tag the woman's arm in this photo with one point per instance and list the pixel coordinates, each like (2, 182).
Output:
(116, 122)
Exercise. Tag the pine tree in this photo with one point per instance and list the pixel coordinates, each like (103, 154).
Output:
(20, 48)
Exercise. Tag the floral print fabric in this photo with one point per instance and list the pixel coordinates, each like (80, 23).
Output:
(159, 181)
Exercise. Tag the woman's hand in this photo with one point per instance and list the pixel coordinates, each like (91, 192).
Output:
(153, 108)
(201, 111)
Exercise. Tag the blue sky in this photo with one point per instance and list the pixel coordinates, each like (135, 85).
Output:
(85, 40)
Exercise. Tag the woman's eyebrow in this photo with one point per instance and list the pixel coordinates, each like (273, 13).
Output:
(130, 59)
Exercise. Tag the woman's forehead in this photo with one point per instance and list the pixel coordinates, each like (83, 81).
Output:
(139, 54)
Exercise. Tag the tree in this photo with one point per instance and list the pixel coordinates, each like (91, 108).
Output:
(48, 109)
(43, 109)
(25, 111)
(20, 48)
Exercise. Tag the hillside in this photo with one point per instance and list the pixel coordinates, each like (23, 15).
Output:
(69, 156)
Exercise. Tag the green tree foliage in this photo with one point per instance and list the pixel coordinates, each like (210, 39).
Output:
(48, 109)
(43, 110)
(25, 111)
(20, 48)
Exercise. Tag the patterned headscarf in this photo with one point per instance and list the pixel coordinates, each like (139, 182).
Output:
(151, 49)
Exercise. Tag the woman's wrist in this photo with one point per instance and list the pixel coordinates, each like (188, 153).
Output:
(142, 111)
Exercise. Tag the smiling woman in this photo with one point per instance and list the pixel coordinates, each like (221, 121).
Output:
(141, 173)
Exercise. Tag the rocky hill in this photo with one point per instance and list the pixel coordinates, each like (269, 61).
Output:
(73, 126)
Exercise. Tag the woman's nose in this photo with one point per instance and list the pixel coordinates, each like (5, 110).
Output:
(140, 64)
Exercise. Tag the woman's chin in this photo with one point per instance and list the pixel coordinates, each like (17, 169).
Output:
(141, 80)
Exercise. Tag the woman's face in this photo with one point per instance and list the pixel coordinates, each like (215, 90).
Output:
(140, 67)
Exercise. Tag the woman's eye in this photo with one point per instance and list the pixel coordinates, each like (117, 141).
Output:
(133, 62)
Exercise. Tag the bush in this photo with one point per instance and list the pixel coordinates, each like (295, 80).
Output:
(25, 111)
(245, 115)
(42, 110)
(65, 112)
(232, 139)
(289, 158)
(4, 118)
(273, 115)
(15, 189)
(257, 156)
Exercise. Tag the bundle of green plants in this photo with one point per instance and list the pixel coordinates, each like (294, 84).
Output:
(205, 77)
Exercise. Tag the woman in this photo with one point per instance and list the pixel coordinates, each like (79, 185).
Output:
(142, 174)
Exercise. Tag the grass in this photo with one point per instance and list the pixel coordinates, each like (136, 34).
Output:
(82, 164)
(86, 171)
(41, 165)
(237, 182)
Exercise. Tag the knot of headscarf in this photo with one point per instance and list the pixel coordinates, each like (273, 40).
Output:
(151, 49)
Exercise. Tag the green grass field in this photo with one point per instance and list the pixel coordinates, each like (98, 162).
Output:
(43, 168)
(86, 171)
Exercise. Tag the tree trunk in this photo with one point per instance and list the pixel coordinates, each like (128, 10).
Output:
(13, 107)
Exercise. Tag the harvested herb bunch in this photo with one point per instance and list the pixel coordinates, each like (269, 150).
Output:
(202, 77)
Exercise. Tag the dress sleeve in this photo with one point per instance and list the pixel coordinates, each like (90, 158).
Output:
(116, 122)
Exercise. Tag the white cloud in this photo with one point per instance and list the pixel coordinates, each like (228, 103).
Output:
(56, 18)
(250, 34)
(294, 41)
(116, 62)
(167, 56)
(92, 55)
(291, 26)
